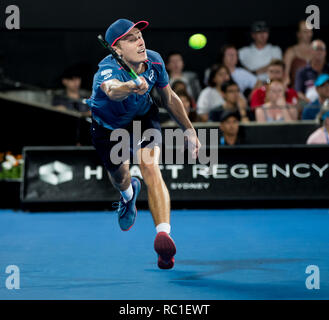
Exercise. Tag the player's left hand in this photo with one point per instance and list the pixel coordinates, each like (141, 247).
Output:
(142, 88)
(192, 143)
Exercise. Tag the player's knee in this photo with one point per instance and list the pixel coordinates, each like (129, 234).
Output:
(151, 173)
(120, 178)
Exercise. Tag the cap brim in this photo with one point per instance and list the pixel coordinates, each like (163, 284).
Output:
(141, 25)
(260, 30)
(322, 82)
(227, 115)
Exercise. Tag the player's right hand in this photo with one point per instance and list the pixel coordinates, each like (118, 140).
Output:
(142, 88)
(192, 142)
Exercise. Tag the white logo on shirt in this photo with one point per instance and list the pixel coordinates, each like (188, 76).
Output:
(107, 73)
(151, 76)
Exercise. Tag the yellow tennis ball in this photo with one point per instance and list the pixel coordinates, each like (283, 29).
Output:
(197, 41)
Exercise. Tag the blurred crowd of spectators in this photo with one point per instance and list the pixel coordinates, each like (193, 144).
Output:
(256, 83)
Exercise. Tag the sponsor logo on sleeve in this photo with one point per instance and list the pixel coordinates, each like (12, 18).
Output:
(106, 73)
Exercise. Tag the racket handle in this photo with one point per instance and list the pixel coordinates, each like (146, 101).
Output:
(137, 81)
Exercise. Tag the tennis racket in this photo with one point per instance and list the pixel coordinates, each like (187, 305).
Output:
(130, 71)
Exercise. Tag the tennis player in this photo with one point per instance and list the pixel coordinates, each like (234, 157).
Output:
(116, 103)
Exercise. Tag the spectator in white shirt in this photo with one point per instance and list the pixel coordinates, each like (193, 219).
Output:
(245, 79)
(259, 54)
(212, 96)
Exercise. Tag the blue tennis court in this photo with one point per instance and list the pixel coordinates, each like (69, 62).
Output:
(221, 254)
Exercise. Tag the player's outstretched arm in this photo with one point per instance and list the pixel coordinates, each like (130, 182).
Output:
(175, 107)
(118, 91)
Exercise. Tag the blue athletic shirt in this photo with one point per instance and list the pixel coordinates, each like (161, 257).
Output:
(117, 114)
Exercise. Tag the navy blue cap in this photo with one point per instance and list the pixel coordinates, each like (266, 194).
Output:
(228, 113)
(120, 28)
(259, 26)
(321, 79)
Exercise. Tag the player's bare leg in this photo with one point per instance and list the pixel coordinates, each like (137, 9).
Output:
(158, 195)
(159, 204)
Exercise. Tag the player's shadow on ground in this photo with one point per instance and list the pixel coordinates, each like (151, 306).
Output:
(270, 288)
(223, 266)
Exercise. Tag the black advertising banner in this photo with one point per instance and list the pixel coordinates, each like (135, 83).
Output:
(75, 174)
(65, 174)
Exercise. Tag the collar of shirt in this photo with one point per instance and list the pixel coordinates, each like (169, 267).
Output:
(253, 46)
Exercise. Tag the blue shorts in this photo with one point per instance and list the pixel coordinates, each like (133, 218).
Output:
(103, 144)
